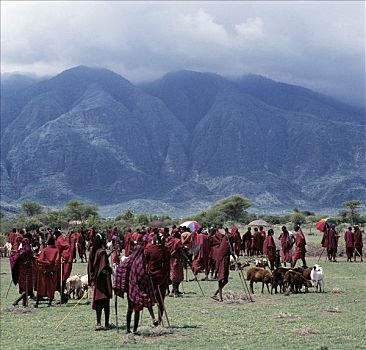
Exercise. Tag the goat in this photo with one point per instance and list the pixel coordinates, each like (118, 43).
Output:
(317, 277)
(258, 274)
(5, 250)
(84, 285)
(73, 286)
(277, 279)
(295, 280)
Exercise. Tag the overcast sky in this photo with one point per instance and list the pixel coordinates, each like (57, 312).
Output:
(320, 45)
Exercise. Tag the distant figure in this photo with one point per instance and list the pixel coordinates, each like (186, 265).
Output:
(357, 234)
(127, 239)
(269, 248)
(223, 263)
(262, 236)
(300, 244)
(331, 243)
(247, 242)
(48, 272)
(99, 277)
(285, 239)
(349, 242)
(257, 242)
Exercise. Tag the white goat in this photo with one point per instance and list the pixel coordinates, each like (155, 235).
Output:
(317, 278)
(73, 286)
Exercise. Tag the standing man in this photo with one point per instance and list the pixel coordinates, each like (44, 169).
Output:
(285, 239)
(349, 242)
(48, 272)
(247, 241)
(22, 271)
(331, 243)
(262, 237)
(223, 263)
(157, 259)
(300, 244)
(269, 248)
(358, 242)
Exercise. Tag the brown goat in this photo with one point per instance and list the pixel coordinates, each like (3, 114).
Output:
(295, 280)
(277, 279)
(258, 274)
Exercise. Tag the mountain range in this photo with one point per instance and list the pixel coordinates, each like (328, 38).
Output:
(181, 142)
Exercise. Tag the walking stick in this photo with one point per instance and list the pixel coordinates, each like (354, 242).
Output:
(159, 313)
(195, 277)
(115, 310)
(360, 255)
(162, 300)
(26, 284)
(62, 321)
(6, 297)
(241, 277)
(321, 254)
(61, 276)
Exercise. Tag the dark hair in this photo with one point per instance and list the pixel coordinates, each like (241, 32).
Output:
(51, 240)
(261, 228)
(270, 232)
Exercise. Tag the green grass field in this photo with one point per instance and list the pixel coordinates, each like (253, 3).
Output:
(334, 320)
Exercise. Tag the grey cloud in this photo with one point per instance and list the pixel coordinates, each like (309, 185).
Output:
(318, 44)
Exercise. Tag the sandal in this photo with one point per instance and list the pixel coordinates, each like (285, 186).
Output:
(99, 328)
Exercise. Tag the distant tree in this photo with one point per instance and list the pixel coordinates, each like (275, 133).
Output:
(76, 210)
(233, 208)
(298, 218)
(31, 208)
(352, 206)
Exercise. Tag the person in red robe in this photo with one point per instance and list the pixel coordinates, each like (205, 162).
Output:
(99, 277)
(91, 238)
(215, 239)
(127, 240)
(80, 238)
(65, 246)
(116, 247)
(262, 235)
(223, 263)
(349, 243)
(23, 271)
(237, 240)
(247, 242)
(257, 242)
(285, 239)
(269, 248)
(131, 278)
(48, 270)
(331, 242)
(300, 243)
(176, 275)
(12, 236)
(157, 260)
(202, 258)
(358, 244)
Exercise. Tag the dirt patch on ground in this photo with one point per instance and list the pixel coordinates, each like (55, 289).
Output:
(146, 332)
(231, 297)
(338, 291)
(334, 310)
(287, 316)
(305, 330)
(16, 310)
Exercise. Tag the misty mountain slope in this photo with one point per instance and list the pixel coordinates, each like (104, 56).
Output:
(188, 137)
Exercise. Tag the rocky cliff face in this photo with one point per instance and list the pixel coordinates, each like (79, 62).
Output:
(89, 133)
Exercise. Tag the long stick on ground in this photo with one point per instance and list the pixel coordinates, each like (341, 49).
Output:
(195, 276)
(321, 254)
(11, 281)
(241, 277)
(115, 310)
(160, 316)
(162, 300)
(62, 321)
(61, 289)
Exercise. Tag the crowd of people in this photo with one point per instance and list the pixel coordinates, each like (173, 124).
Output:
(153, 262)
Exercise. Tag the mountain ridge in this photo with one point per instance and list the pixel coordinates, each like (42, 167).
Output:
(91, 134)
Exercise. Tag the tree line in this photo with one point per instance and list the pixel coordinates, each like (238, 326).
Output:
(226, 212)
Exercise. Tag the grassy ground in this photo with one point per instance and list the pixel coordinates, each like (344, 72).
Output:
(334, 320)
